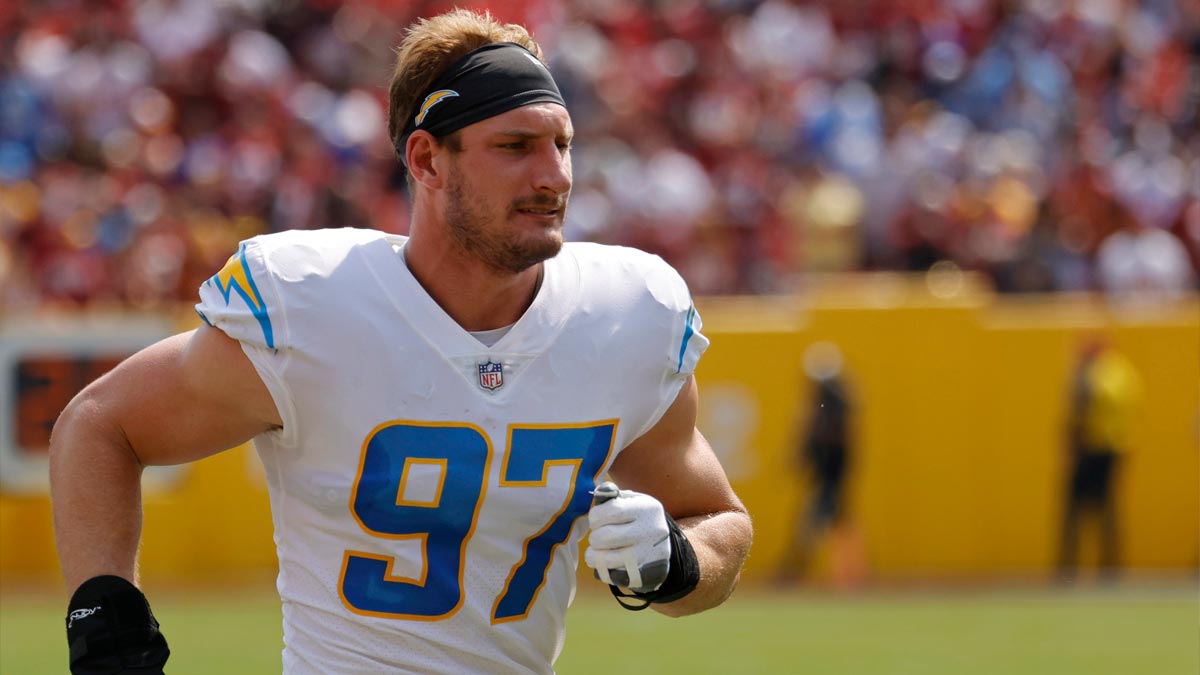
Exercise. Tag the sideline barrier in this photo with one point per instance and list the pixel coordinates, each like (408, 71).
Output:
(959, 465)
(960, 468)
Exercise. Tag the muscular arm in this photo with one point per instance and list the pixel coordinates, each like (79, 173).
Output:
(675, 464)
(180, 400)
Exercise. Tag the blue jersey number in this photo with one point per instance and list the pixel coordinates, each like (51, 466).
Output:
(445, 519)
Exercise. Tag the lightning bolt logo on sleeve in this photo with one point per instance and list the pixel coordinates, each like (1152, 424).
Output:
(688, 332)
(235, 276)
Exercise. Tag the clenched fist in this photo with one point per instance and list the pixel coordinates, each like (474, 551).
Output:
(630, 542)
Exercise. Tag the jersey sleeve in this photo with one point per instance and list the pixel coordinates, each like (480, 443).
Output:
(686, 343)
(241, 301)
(692, 343)
(678, 321)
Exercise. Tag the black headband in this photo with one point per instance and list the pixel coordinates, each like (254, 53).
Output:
(491, 80)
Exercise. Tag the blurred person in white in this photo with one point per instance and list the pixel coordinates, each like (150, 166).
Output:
(1137, 263)
(434, 411)
(1143, 259)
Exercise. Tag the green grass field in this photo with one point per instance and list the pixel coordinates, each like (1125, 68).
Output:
(1096, 631)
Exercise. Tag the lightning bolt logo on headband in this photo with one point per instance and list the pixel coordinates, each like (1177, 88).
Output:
(432, 100)
(489, 81)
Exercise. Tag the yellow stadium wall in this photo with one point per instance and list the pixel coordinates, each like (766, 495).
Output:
(959, 467)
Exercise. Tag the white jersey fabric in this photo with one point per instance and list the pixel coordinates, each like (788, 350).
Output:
(428, 492)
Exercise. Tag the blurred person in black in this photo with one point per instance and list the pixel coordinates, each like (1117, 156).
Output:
(1104, 398)
(823, 457)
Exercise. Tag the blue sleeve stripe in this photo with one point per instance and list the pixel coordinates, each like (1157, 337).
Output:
(260, 308)
(227, 281)
(688, 332)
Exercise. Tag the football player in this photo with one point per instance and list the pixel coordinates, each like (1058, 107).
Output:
(436, 413)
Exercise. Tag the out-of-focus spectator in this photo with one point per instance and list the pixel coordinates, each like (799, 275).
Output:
(1137, 262)
(750, 142)
(824, 455)
(140, 142)
(1104, 399)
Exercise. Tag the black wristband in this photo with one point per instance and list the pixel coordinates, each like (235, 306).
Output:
(682, 577)
(110, 629)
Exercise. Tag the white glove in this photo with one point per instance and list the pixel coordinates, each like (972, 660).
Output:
(629, 544)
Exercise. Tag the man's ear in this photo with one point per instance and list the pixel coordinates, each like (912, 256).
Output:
(420, 151)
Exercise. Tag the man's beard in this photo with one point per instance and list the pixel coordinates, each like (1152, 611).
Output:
(500, 251)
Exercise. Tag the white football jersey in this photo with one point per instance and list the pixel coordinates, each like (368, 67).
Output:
(428, 492)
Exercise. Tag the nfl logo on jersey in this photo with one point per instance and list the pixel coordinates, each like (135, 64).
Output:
(491, 375)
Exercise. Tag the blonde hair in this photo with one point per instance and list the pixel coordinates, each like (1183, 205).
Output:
(430, 46)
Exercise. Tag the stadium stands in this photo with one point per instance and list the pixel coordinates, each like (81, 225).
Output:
(750, 143)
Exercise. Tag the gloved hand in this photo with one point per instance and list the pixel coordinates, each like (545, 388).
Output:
(630, 542)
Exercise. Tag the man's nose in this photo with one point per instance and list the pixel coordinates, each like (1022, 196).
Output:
(553, 171)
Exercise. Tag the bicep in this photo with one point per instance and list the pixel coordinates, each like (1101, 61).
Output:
(675, 463)
(187, 397)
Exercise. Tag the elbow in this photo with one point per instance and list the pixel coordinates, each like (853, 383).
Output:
(66, 426)
(739, 537)
(84, 427)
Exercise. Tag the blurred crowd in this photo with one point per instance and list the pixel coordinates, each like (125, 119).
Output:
(1049, 144)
